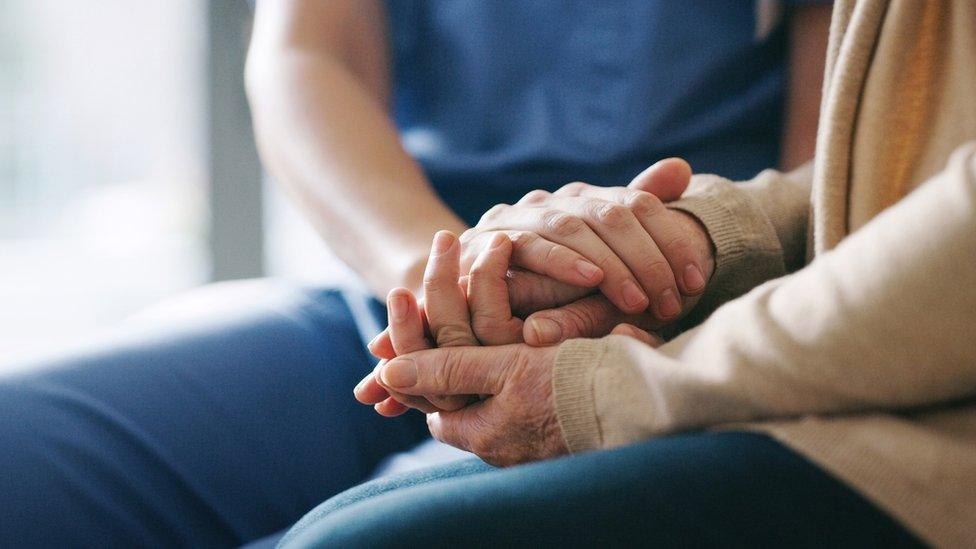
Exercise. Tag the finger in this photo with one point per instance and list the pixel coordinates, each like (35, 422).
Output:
(452, 370)
(530, 292)
(390, 408)
(406, 326)
(491, 314)
(571, 231)
(369, 390)
(420, 403)
(444, 301)
(670, 237)
(592, 316)
(461, 429)
(536, 254)
(630, 330)
(381, 346)
(618, 227)
(407, 333)
(667, 179)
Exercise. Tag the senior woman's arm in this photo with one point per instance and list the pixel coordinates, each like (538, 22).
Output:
(885, 321)
(318, 83)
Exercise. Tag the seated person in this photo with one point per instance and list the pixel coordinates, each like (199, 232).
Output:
(225, 416)
(829, 400)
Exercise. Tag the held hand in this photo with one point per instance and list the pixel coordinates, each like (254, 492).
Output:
(445, 319)
(647, 258)
(594, 315)
(571, 312)
(515, 422)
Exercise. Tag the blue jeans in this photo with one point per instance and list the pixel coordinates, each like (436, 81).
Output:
(699, 490)
(228, 420)
(204, 429)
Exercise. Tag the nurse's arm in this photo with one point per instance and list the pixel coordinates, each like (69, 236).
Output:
(318, 80)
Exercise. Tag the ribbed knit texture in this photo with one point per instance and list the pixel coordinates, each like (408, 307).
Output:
(572, 385)
(747, 251)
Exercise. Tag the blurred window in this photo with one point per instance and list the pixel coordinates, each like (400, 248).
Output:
(103, 204)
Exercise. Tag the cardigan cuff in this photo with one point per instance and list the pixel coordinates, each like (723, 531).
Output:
(747, 249)
(572, 389)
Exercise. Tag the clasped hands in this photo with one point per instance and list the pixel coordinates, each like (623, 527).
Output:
(584, 261)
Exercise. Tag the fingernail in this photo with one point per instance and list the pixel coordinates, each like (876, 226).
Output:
(442, 242)
(398, 308)
(633, 296)
(546, 330)
(667, 304)
(587, 269)
(399, 373)
(372, 342)
(694, 279)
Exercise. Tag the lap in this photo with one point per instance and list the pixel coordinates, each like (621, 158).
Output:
(696, 490)
(214, 425)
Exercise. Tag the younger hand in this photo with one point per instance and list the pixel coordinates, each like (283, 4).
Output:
(648, 258)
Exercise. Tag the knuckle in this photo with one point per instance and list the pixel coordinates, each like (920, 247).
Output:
(493, 213)
(610, 263)
(523, 239)
(434, 282)
(443, 375)
(484, 325)
(469, 235)
(535, 197)
(573, 188)
(553, 255)
(481, 275)
(659, 273)
(613, 215)
(562, 224)
(580, 321)
(452, 335)
(679, 246)
(645, 204)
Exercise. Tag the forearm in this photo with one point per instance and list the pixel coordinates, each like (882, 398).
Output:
(875, 324)
(330, 143)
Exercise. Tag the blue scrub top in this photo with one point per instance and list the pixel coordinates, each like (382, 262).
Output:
(498, 97)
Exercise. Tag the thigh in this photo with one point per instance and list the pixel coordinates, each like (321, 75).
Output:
(218, 424)
(728, 489)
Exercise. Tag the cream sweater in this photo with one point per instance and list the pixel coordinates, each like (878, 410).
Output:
(864, 358)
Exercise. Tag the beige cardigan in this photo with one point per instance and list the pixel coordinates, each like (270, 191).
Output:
(864, 359)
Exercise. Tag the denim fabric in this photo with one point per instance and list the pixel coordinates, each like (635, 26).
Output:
(207, 428)
(699, 490)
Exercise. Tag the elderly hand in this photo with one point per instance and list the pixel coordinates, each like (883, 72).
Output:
(451, 314)
(515, 421)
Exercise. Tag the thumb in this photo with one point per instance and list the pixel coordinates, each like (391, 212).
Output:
(451, 370)
(592, 316)
(667, 179)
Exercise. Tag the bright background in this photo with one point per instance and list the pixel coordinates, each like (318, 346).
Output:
(127, 167)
